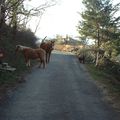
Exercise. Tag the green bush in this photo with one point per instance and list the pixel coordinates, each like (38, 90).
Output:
(7, 43)
(110, 67)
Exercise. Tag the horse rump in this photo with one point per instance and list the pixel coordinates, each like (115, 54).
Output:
(42, 56)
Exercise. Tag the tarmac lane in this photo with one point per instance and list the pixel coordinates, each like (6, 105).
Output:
(64, 90)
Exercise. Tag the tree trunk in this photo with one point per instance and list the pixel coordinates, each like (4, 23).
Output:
(97, 58)
(2, 13)
(97, 53)
(14, 30)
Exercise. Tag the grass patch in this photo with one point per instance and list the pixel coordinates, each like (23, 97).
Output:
(108, 82)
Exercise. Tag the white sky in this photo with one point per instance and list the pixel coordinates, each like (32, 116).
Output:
(60, 19)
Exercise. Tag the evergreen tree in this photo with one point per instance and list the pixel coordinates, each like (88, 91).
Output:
(99, 22)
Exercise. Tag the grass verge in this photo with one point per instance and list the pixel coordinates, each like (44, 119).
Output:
(108, 83)
(10, 80)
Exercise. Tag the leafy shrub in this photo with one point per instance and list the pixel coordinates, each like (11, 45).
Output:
(7, 43)
(110, 67)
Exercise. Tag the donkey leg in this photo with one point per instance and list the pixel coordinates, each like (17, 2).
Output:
(29, 63)
(46, 57)
(26, 61)
(49, 57)
(40, 64)
(44, 64)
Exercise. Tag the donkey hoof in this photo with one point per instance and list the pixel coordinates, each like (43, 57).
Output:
(39, 66)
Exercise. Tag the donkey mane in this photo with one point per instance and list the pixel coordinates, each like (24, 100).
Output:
(21, 47)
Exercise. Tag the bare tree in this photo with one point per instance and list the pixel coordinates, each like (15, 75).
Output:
(16, 15)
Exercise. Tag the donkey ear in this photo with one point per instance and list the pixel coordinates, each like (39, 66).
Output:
(53, 41)
(17, 46)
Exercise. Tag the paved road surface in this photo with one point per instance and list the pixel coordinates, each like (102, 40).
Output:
(63, 91)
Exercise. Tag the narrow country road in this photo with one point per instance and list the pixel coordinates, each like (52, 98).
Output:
(62, 91)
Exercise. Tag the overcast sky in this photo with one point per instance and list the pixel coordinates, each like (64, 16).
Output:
(60, 19)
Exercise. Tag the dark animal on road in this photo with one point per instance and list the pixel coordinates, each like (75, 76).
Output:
(30, 53)
(48, 47)
(81, 58)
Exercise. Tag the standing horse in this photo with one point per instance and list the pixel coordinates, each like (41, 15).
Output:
(48, 47)
(30, 53)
